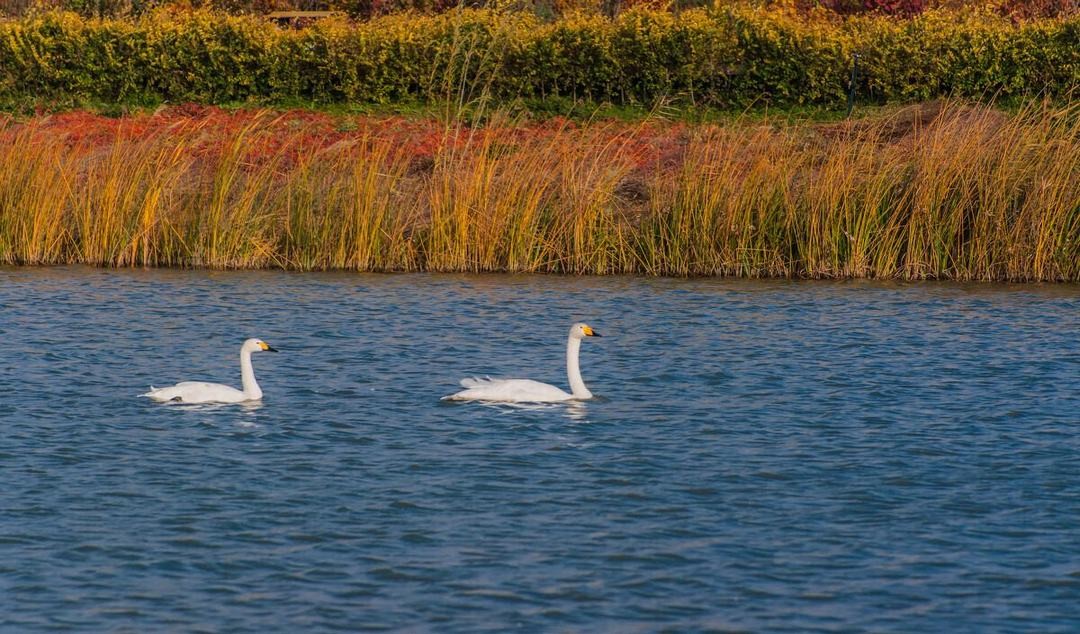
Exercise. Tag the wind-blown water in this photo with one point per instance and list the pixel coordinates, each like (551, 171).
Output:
(762, 455)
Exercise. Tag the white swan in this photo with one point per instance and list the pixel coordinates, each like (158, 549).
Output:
(200, 392)
(529, 391)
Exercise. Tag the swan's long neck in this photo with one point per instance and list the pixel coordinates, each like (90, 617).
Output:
(247, 376)
(573, 370)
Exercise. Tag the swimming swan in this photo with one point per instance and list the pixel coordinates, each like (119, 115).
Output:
(200, 392)
(526, 390)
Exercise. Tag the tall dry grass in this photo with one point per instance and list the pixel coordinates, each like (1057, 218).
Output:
(954, 192)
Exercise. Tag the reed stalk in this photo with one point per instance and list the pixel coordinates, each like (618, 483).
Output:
(951, 192)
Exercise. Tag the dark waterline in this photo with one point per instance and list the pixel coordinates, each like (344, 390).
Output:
(781, 456)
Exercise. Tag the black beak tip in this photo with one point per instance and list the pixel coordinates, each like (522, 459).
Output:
(271, 349)
(596, 334)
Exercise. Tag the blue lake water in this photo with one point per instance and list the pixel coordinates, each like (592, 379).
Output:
(774, 456)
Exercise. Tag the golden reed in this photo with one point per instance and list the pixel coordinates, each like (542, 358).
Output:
(944, 191)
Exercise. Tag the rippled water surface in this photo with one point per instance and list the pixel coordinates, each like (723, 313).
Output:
(761, 455)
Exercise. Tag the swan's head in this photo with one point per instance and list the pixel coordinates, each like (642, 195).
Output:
(580, 331)
(257, 345)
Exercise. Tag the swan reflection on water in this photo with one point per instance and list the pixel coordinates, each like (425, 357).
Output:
(576, 411)
(208, 412)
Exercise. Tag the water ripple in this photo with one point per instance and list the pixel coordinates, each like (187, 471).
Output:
(773, 456)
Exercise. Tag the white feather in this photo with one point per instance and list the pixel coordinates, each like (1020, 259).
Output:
(508, 391)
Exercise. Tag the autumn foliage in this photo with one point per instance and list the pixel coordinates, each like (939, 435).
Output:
(727, 56)
(938, 191)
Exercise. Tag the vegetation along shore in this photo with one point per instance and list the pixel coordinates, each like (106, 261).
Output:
(485, 179)
(943, 190)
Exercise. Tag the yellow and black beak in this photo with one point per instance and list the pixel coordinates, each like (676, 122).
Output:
(266, 347)
(589, 332)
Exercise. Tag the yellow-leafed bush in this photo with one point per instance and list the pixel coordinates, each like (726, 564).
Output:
(729, 56)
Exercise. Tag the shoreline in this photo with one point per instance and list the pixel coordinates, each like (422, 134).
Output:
(79, 268)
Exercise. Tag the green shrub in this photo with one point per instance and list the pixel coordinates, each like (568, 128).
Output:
(726, 56)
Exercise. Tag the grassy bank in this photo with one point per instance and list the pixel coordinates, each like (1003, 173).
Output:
(940, 191)
(727, 56)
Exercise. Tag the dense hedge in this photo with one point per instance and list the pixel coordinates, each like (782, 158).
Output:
(727, 57)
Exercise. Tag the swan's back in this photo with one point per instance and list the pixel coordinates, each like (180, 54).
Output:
(196, 392)
(508, 391)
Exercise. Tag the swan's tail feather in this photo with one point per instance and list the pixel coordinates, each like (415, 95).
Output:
(476, 381)
(150, 394)
(469, 383)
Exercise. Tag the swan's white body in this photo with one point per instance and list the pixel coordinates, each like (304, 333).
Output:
(511, 391)
(527, 390)
(202, 392)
